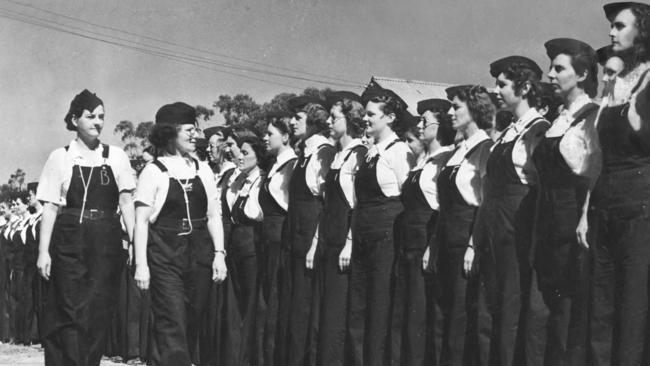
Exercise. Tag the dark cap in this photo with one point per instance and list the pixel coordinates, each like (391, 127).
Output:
(32, 186)
(83, 101)
(211, 131)
(338, 96)
(603, 54)
(612, 9)
(499, 66)
(568, 46)
(178, 113)
(453, 91)
(296, 104)
(434, 105)
(377, 92)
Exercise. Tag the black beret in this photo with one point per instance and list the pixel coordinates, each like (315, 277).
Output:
(84, 100)
(452, 91)
(603, 54)
(178, 113)
(568, 46)
(377, 92)
(612, 9)
(296, 104)
(499, 66)
(437, 105)
(338, 96)
(211, 131)
(32, 186)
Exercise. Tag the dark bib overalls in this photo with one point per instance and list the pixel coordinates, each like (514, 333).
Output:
(373, 255)
(411, 330)
(503, 240)
(242, 262)
(620, 224)
(274, 277)
(560, 262)
(181, 272)
(304, 213)
(333, 347)
(35, 283)
(87, 259)
(457, 300)
(19, 286)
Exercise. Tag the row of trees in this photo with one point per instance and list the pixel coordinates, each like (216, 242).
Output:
(240, 110)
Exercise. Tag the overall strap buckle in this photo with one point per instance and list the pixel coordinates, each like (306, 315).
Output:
(185, 225)
(94, 214)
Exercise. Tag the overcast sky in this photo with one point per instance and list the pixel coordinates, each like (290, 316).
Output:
(450, 41)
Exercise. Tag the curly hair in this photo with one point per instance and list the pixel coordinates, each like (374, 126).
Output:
(317, 118)
(258, 147)
(281, 125)
(446, 133)
(354, 113)
(479, 104)
(521, 74)
(641, 52)
(389, 104)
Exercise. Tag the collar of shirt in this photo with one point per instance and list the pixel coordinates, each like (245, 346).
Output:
(577, 104)
(474, 140)
(226, 166)
(313, 143)
(380, 147)
(564, 120)
(77, 150)
(354, 143)
(522, 122)
(282, 158)
(434, 156)
(247, 181)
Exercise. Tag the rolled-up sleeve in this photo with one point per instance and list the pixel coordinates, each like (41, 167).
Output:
(124, 173)
(50, 185)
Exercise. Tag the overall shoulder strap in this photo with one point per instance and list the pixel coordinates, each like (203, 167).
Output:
(104, 151)
(160, 166)
(583, 112)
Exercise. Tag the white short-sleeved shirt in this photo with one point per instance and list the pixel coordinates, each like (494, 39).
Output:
(153, 184)
(579, 143)
(348, 169)
(471, 170)
(527, 138)
(318, 166)
(13, 220)
(57, 172)
(431, 166)
(279, 179)
(247, 185)
(393, 165)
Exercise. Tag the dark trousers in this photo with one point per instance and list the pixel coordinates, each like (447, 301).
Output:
(621, 258)
(512, 314)
(303, 313)
(457, 302)
(333, 344)
(373, 255)
(243, 273)
(181, 275)
(411, 335)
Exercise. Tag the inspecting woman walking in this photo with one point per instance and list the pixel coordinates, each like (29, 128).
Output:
(80, 249)
(178, 236)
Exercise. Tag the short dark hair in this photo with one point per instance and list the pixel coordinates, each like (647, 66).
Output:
(281, 125)
(446, 133)
(478, 103)
(641, 51)
(258, 147)
(354, 113)
(391, 104)
(582, 61)
(317, 117)
(521, 74)
(162, 137)
(85, 100)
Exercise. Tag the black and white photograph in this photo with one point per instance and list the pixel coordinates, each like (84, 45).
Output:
(324, 183)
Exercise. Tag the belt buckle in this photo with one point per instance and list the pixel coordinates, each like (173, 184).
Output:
(94, 214)
(185, 225)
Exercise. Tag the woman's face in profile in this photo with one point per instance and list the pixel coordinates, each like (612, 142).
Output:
(186, 140)
(623, 30)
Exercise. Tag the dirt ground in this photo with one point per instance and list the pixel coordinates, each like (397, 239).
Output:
(12, 355)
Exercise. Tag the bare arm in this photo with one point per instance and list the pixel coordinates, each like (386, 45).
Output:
(140, 238)
(215, 229)
(44, 262)
(128, 212)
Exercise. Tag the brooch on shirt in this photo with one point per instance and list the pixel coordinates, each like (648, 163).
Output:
(187, 186)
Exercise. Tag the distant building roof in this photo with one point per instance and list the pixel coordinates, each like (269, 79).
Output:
(412, 91)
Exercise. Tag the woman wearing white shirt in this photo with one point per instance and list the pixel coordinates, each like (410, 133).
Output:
(567, 164)
(274, 201)
(243, 244)
(503, 228)
(80, 248)
(378, 185)
(334, 234)
(413, 295)
(305, 207)
(460, 187)
(178, 236)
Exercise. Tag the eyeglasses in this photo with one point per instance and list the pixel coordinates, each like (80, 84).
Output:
(424, 124)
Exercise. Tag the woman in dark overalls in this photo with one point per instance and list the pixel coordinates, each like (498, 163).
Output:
(334, 234)
(305, 207)
(620, 199)
(17, 284)
(80, 249)
(178, 238)
(460, 186)
(274, 201)
(567, 166)
(378, 186)
(502, 233)
(243, 245)
(34, 283)
(413, 318)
